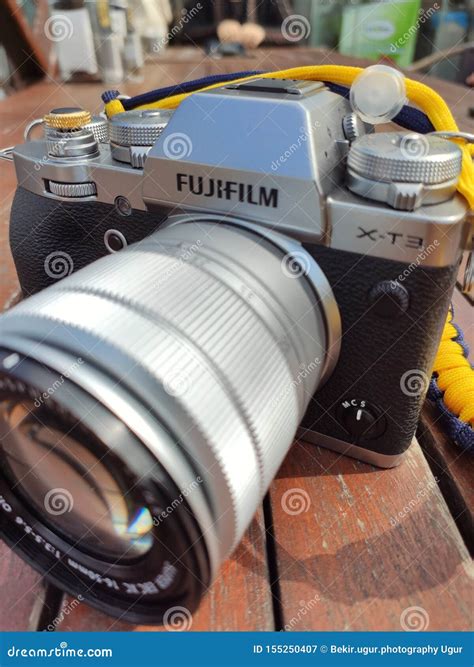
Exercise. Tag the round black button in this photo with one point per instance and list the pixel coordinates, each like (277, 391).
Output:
(114, 240)
(389, 299)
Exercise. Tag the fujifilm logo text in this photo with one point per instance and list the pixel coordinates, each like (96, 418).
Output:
(229, 190)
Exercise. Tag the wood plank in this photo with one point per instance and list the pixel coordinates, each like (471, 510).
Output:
(460, 279)
(369, 545)
(22, 593)
(464, 316)
(240, 598)
(454, 470)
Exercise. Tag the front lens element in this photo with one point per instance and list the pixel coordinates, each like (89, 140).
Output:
(71, 485)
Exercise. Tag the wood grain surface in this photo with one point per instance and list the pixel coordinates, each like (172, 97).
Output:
(367, 545)
(21, 593)
(342, 545)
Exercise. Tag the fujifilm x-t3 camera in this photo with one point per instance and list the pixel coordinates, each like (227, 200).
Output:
(257, 264)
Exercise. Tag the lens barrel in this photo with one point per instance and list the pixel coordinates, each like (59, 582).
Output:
(205, 343)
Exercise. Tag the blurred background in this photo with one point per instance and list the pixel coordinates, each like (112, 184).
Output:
(111, 40)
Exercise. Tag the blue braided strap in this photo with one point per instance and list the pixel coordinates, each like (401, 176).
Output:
(109, 95)
(457, 430)
(185, 87)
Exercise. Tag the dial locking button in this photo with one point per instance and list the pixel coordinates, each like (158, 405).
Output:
(69, 133)
(360, 419)
(67, 118)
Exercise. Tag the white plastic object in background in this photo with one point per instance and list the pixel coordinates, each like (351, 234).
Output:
(151, 19)
(71, 33)
(378, 94)
(118, 23)
(133, 52)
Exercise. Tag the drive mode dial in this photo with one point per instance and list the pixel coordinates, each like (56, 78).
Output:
(133, 133)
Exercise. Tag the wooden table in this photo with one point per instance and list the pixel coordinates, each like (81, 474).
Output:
(344, 563)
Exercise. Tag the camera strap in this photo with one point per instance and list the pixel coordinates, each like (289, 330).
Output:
(452, 385)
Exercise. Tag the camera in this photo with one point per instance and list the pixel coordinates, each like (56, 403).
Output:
(203, 285)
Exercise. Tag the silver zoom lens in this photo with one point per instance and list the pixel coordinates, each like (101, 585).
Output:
(208, 340)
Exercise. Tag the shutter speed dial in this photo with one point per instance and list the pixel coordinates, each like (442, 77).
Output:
(363, 421)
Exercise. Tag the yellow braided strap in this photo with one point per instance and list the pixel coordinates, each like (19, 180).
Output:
(455, 376)
(113, 107)
(418, 93)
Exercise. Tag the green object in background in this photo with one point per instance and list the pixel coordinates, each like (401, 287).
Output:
(324, 17)
(381, 28)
